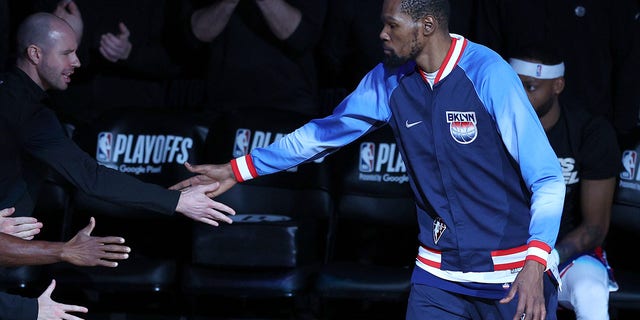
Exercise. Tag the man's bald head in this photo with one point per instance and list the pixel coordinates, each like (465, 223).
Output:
(41, 29)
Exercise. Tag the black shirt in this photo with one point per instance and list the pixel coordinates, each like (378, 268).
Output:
(34, 140)
(587, 148)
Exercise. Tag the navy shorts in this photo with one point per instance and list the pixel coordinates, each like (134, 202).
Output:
(427, 302)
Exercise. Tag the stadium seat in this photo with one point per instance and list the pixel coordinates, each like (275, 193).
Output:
(624, 232)
(273, 247)
(373, 236)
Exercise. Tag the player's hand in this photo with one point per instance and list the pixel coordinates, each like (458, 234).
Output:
(208, 174)
(116, 47)
(195, 203)
(21, 227)
(51, 310)
(85, 250)
(529, 288)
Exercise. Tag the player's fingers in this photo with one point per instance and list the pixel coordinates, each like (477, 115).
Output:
(197, 168)
(114, 248)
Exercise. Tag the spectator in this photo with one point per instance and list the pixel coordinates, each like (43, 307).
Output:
(487, 185)
(35, 141)
(261, 53)
(127, 48)
(598, 41)
(82, 250)
(587, 149)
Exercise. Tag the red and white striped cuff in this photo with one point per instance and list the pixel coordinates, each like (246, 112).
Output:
(538, 251)
(243, 168)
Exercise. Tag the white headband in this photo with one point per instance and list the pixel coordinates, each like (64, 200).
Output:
(537, 70)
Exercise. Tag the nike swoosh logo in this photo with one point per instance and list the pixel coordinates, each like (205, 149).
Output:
(409, 125)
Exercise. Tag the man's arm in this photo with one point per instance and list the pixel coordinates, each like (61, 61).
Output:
(207, 23)
(282, 18)
(596, 199)
(81, 250)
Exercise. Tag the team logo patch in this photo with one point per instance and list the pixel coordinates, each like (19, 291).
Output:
(438, 229)
(462, 126)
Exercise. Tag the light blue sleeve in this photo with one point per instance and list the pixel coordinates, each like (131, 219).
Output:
(501, 90)
(362, 111)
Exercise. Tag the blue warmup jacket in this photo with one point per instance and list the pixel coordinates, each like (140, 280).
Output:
(478, 160)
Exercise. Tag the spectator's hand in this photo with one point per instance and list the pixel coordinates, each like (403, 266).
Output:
(68, 10)
(116, 47)
(195, 204)
(51, 310)
(85, 250)
(208, 173)
(529, 288)
(21, 227)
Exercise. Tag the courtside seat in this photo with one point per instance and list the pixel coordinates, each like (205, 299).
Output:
(373, 235)
(151, 145)
(624, 234)
(275, 243)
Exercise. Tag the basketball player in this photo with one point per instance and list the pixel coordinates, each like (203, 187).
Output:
(487, 185)
(588, 152)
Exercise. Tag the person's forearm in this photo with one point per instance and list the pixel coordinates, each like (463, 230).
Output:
(16, 252)
(207, 23)
(282, 18)
(580, 240)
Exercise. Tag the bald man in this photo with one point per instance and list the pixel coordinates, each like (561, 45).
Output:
(46, 61)
(33, 141)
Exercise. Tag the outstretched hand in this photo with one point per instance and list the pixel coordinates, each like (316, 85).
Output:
(208, 174)
(21, 227)
(51, 310)
(85, 250)
(195, 203)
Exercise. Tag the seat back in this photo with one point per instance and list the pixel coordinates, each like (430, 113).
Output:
(373, 234)
(275, 240)
(624, 230)
(373, 197)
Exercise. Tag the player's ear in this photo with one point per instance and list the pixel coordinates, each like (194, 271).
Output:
(558, 85)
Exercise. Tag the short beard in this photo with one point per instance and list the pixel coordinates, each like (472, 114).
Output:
(394, 61)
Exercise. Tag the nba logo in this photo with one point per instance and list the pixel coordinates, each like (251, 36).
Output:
(629, 162)
(538, 70)
(105, 144)
(241, 144)
(367, 152)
